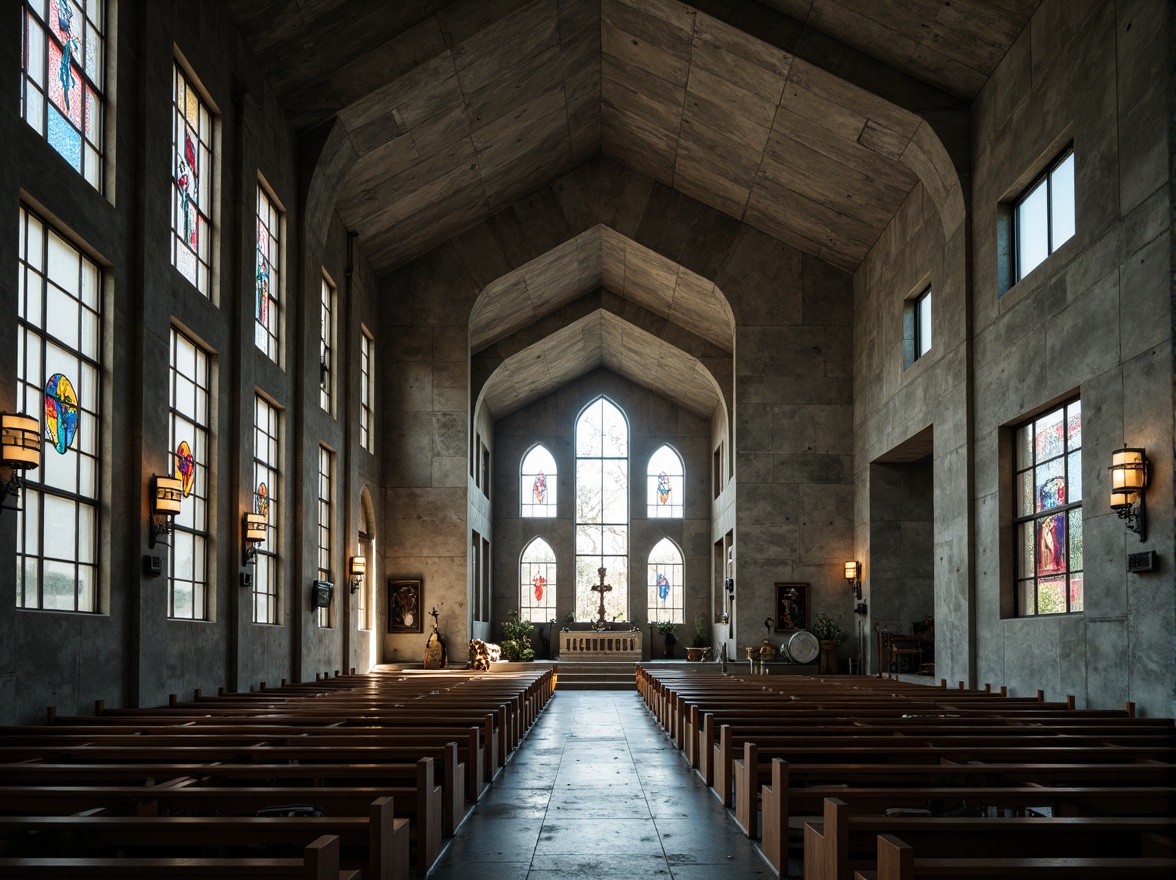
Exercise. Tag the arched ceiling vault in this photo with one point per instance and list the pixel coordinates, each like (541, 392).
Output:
(810, 120)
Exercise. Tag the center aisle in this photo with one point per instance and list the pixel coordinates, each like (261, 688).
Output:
(597, 792)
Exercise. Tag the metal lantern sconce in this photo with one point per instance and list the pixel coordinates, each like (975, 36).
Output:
(252, 533)
(1129, 469)
(853, 576)
(20, 450)
(166, 495)
(358, 570)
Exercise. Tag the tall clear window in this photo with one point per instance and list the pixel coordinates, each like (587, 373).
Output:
(58, 368)
(923, 323)
(366, 403)
(664, 479)
(61, 88)
(537, 483)
(188, 424)
(664, 583)
(326, 479)
(327, 347)
(191, 248)
(602, 510)
(363, 603)
(537, 582)
(268, 307)
(266, 461)
(1043, 218)
(1048, 512)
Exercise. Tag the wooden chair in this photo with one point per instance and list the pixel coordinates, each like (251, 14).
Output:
(892, 646)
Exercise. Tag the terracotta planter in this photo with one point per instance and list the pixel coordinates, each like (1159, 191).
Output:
(695, 654)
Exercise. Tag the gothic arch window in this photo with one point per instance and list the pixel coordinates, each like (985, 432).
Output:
(537, 483)
(665, 477)
(537, 582)
(665, 582)
(602, 509)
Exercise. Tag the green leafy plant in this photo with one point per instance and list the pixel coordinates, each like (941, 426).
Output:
(826, 629)
(666, 628)
(700, 636)
(516, 638)
(570, 617)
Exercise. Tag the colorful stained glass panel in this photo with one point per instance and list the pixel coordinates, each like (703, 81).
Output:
(1051, 544)
(185, 467)
(61, 412)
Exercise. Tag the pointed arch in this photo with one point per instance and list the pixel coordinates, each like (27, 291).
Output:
(538, 483)
(537, 581)
(602, 508)
(665, 595)
(665, 479)
(366, 546)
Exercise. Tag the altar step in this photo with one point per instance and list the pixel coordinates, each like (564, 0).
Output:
(602, 675)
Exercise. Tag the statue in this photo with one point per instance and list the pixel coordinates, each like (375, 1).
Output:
(436, 656)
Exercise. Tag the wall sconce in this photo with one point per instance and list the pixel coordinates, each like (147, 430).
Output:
(166, 495)
(20, 450)
(853, 575)
(1128, 480)
(252, 533)
(358, 570)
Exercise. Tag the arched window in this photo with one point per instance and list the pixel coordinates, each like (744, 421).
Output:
(602, 510)
(664, 479)
(665, 582)
(537, 582)
(537, 483)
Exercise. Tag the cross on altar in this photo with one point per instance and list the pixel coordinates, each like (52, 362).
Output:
(601, 588)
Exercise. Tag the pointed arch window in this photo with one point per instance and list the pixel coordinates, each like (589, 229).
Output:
(665, 582)
(537, 582)
(665, 478)
(602, 509)
(537, 483)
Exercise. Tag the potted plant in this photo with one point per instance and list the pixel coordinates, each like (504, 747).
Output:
(516, 638)
(666, 628)
(830, 634)
(699, 640)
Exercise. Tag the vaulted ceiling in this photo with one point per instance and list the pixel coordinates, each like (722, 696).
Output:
(793, 116)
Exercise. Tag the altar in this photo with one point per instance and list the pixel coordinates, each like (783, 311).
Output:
(600, 645)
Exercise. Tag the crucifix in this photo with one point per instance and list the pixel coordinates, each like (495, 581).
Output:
(601, 588)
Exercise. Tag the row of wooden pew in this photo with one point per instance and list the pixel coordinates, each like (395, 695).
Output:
(345, 775)
(863, 777)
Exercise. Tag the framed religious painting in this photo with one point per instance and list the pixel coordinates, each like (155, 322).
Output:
(404, 606)
(791, 606)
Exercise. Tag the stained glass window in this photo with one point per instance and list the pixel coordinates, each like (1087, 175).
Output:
(266, 451)
(1043, 218)
(664, 482)
(1048, 484)
(602, 509)
(268, 305)
(664, 582)
(188, 424)
(366, 398)
(537, 582)
(327, 347)
(538, 483)
(191, 248)
(58, 368)
(326, 479)
(61, 89)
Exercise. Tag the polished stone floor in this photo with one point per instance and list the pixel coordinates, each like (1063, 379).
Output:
(597, 792)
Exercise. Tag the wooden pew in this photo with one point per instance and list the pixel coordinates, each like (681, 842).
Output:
(839, 844)
(896, 861)
(320, 861)
(382, 839)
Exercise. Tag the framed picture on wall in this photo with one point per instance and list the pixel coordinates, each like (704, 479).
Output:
(404, 606)
(791, 606)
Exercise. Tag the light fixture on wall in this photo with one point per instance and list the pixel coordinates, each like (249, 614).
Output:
(166, 495)
(20, 450)
(253, 534)
(1129, 472)
(358, 570)
(853, 576)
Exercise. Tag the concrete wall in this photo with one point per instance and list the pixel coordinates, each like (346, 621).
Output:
(130, 653)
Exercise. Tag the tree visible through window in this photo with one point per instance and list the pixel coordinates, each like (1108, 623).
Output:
(537, 483)
(665, 583)
(664, 480)
(537, 582)
(1049, 512)
(602, 509)
(58, 368)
